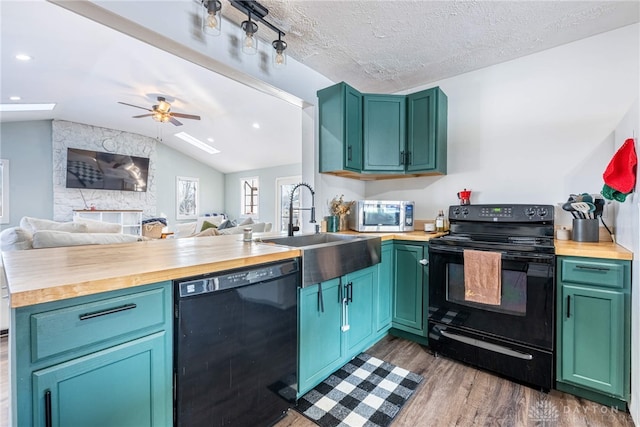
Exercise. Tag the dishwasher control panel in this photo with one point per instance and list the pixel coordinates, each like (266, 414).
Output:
(235, 279)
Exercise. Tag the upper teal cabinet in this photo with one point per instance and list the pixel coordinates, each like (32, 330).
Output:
(340, 114)
(427, 131)
(375, 136)
(384, 133)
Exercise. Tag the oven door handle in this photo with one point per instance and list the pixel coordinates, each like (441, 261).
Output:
(487, 346)
(510, 256)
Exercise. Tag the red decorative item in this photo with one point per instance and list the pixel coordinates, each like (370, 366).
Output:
(621, 171)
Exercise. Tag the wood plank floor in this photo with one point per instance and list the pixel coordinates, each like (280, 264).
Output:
(451, 394)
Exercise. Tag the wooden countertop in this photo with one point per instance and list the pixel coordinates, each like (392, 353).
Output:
(42, 275)
(608, 250)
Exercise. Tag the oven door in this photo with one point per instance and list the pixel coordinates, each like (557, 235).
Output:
(525, 314)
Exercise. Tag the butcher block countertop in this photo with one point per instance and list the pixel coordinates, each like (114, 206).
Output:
(42, 275)
(608, 250)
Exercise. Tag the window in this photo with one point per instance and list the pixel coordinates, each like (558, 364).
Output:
(249, 190)
(284, 186)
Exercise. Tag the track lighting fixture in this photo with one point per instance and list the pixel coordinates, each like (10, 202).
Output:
(212, 19)
(249, 42)
(279, 56)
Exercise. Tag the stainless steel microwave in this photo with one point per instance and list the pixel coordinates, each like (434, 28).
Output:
(381, 216)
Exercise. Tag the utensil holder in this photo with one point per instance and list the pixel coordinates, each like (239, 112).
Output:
(585, 230)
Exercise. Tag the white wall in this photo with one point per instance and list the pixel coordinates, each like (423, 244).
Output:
(531, 130)
(628, 235)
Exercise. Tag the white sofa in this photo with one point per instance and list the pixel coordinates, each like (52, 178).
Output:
(217, 225)
(36, 233)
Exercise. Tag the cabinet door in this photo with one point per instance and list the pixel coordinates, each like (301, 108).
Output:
(319, 333)
(126, 385)
(383, 288)
(340, 128)
(384, 133)
(359, 289)
(426, 137)
(407, 292)
(592, 344)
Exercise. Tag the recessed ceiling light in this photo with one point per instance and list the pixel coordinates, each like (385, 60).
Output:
(256, 125)
(15, 98)
(196, 142)
(210, 139)
(27, 107)
(23, 57)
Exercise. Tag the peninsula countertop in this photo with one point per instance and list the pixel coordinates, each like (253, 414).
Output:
(42, 275)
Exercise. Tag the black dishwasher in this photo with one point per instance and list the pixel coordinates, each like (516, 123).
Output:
(235, 346)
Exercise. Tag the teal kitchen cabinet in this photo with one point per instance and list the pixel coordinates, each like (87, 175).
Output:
(100, 360)
(384, 289)
(384, 120)
(427, 131)
(409, 291)
(593, 348)
(340, 128)
(376, 136)
(320, 347)
(336, 323)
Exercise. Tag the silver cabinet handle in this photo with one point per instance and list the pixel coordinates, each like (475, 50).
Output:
(424, 261)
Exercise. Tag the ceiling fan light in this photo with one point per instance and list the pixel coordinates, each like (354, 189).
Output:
(163, 106)
(249, 42)
(212, 17)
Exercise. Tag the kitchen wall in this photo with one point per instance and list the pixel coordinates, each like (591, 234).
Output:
(267, 189)
(29, 148)
(531, 130)
(628, 235)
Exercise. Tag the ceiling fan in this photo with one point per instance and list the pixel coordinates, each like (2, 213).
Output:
(162, 112)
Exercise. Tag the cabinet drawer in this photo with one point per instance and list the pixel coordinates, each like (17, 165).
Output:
(57, 331)
(593, 272)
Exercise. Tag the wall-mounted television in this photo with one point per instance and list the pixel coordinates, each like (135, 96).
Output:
(106, 171)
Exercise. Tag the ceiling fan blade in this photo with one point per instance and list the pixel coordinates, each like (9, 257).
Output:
(186, 116)
(143, 115)
(136, 106)
(175, 122)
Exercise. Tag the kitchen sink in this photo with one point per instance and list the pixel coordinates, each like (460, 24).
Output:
(326, 255)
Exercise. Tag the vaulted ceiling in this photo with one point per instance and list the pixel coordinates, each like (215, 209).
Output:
(377, 46)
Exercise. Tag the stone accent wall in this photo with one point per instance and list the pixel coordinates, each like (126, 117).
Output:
(76, 135)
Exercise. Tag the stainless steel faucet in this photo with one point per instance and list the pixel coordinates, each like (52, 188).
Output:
(312, 208)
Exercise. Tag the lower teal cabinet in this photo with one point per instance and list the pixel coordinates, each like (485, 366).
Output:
(593, 329)
(100, 360)
(409, 284)
(119, 386)
(336, 323)
(384, 288)
(320, 347)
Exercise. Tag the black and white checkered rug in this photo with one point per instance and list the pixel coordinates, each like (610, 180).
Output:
(364, 392)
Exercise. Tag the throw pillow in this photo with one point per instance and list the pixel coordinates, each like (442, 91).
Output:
(247, 221)
(206, 225)
(208, 232)
(227, 224)
(94, 226)
(38, 224)
(52, 239)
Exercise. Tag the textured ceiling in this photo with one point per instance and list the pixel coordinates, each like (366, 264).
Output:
(391, 46)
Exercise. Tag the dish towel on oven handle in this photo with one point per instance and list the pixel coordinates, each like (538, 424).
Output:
(482, 276)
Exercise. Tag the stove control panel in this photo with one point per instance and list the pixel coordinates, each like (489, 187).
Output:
(502, 213)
